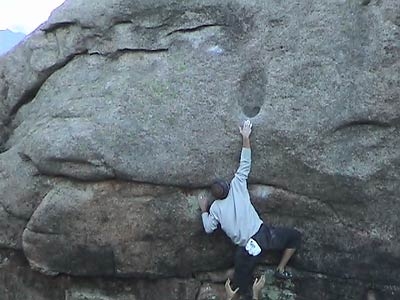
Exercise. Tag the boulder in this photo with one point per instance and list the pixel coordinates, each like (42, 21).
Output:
(18, 281)
(121, 229)
(22, 188)
(116, 115)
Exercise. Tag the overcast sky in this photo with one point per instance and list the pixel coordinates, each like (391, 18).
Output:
(25, 15)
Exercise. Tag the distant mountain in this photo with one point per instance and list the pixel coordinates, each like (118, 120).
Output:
(9, 39)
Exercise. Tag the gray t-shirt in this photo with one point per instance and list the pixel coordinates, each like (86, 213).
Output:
(237, 216)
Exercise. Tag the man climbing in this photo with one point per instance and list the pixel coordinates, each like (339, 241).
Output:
(240, 221)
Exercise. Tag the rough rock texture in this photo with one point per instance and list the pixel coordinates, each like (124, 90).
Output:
(121, 229)
(116, 115)
(18, 282)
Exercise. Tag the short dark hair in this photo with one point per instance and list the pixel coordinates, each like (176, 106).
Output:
(220, 189)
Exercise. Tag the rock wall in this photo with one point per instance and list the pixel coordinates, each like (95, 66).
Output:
(116, 115)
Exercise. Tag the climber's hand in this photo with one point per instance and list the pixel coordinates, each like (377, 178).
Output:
(203, 203)
(229, 292)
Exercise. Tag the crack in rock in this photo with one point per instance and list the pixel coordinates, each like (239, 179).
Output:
(7, 211)
(119, 52)
(54, 26)
(362, 122)
(30, 94)
(38, 231)
(196, 28)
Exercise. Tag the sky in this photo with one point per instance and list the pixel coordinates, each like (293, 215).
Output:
(25, 15)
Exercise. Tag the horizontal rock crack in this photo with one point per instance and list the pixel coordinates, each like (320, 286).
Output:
(196, 28)
(55, 26)
(38, 231)
(362, 122)
(119, 52)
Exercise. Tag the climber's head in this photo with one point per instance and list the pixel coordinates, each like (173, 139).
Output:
(220, 189)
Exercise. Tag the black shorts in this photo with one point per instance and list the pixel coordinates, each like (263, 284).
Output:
(277, 238)
(268, 238)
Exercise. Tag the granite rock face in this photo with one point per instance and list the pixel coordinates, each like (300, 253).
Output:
(123, 230)
(18, 281)
(116, 116)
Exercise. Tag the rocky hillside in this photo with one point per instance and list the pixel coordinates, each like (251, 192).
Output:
(115, 116)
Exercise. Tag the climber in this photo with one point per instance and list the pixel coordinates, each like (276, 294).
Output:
(240, 221)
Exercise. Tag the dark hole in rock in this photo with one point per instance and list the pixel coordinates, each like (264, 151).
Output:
(251, 111)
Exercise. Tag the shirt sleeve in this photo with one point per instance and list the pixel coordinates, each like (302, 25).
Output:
(244, 168)
(210, 222)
